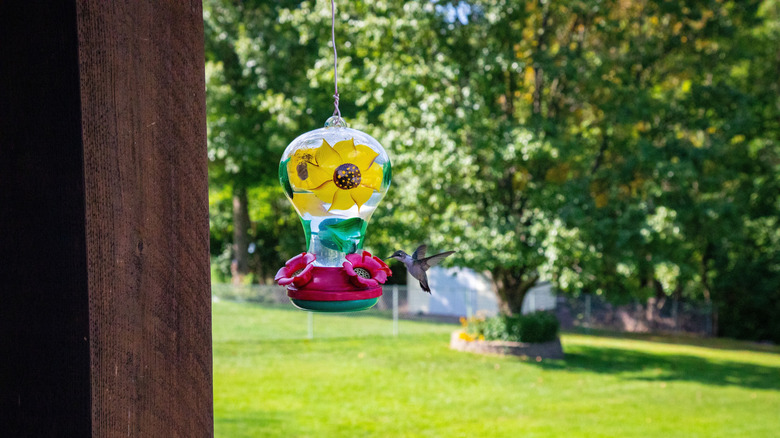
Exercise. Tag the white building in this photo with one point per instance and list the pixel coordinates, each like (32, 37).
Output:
(464, 292)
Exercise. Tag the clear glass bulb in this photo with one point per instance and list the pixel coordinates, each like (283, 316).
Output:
(335, 176)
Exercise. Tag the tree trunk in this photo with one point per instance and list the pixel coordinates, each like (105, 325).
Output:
(707, 287)
(240, 265)
(512, 288)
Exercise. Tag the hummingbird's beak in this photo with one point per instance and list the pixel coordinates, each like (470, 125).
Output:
(387, 259)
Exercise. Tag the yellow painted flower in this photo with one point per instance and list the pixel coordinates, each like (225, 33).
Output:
(343, 175)
(302, 167)
(308, 203)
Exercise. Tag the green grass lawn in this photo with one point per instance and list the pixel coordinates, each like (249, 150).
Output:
(353, 380)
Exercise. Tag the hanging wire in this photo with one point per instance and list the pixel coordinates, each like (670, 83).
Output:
(336, 111)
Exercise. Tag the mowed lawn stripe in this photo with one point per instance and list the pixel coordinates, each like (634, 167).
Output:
(355, 381)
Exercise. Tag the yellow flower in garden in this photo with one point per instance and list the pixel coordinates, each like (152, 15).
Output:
(343, 175)
(465, 336)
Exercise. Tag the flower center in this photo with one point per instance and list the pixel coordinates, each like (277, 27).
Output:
(298, 272)
(362, 272)
(347, 176)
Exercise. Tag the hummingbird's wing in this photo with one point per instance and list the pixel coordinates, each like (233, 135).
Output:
(434, 260)
(419, 253)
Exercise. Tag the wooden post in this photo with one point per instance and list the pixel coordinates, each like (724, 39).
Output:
(105, 307)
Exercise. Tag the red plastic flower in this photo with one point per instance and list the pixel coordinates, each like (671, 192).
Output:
(365, 270)
(297, 270)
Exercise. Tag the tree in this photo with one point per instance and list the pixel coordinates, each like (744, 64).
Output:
(254, 108)
(622, 148)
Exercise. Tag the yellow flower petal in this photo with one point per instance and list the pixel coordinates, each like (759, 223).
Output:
(318, 176)
(298, 165)
(361, 195)
(372, 177)
(306, 155)
(342, 200)
(363, 156)
(326, 192)
(358, 154)
(307, 176)
(327, 158)
(346, 149)
(308, 203)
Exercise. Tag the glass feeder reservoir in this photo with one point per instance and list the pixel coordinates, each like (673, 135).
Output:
(334, 177)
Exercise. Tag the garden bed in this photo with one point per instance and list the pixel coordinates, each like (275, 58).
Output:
(544, 350)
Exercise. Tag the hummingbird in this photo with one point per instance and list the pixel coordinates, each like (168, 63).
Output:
(417, 263)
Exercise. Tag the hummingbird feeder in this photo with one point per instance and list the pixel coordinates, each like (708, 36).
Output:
(334, 176)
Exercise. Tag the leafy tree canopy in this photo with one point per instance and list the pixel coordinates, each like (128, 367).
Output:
(622, 148)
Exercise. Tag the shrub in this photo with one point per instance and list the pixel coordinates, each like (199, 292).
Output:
(494, 329)
(534, 327)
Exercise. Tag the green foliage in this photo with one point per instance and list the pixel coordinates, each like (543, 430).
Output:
(627, 149)
(750, 296)
(496, 328)
(253, 111)
(277, 231)
(533, 327)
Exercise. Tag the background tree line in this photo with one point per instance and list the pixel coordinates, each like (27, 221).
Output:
(623, 148)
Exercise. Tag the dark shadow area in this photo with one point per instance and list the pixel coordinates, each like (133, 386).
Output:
(682, 339)
(245, 422)
(672, 367)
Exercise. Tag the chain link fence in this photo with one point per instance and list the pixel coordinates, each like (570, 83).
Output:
(393, 297)
(392, 305)
(666, 315)
(586, 311)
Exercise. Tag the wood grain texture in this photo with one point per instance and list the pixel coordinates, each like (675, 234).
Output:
(104, 278)
(146, 203)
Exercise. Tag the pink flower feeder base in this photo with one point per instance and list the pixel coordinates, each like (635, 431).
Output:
(332, 284)
(352, 287)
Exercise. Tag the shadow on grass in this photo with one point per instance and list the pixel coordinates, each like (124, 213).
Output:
(653, 367)
(682, 339)
(247, 424)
